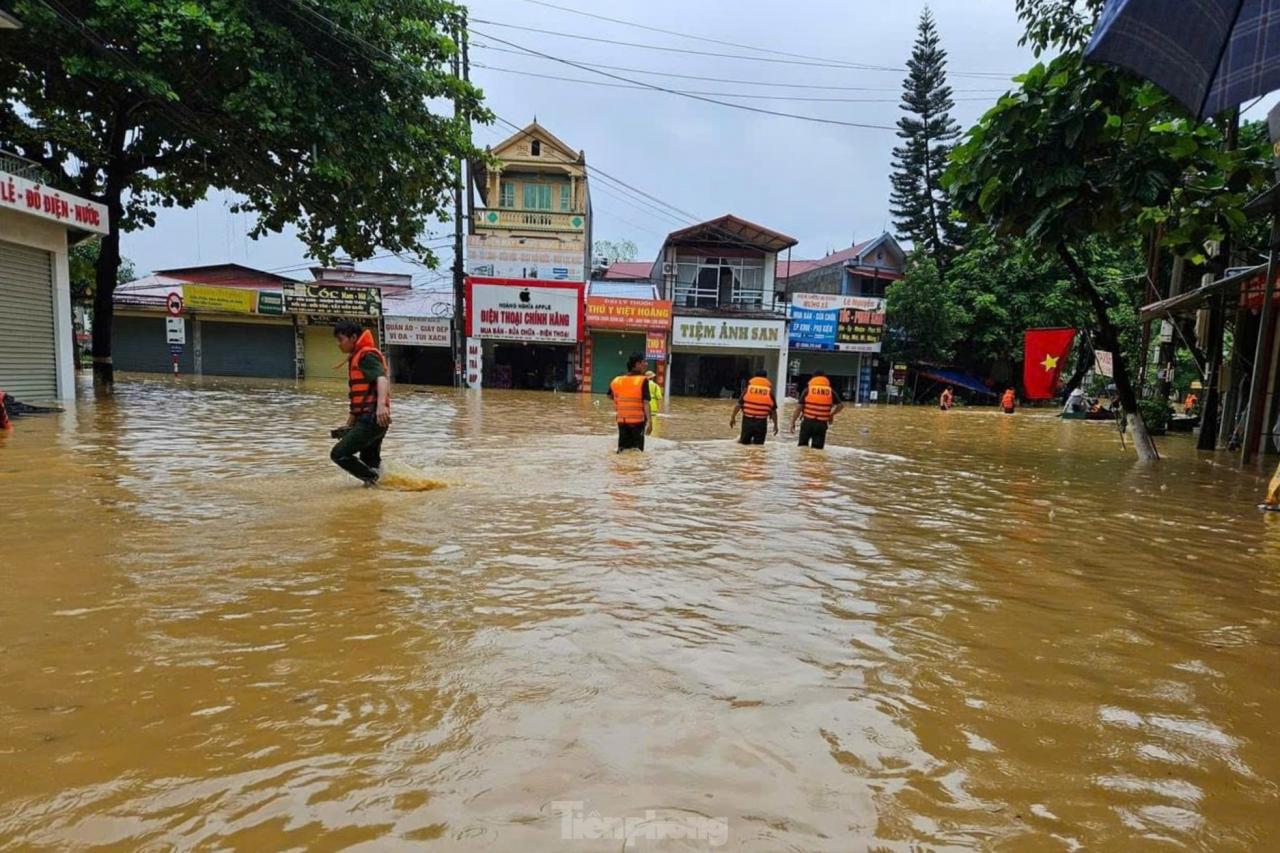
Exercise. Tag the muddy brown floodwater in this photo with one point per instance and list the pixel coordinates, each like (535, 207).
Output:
(950, 631)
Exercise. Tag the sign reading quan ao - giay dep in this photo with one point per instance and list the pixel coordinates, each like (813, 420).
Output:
(727, 332)
(516, 310)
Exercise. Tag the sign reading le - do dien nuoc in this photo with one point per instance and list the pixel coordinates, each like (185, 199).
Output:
(721, 332)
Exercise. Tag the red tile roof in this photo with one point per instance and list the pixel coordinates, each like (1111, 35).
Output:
(629, 271)
(786, 270)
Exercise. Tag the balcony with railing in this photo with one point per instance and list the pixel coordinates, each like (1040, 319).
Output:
(729, 284)
(530, 220)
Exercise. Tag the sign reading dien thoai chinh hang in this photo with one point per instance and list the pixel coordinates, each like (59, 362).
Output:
(612, 312)
(520, 310)
(727, 332)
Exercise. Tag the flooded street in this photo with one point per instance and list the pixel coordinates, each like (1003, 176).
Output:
(950, 631)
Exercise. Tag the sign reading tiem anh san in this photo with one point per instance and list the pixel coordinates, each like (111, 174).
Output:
(536, 312)
(611, 312)
(332, 300)
(825, 321)
(417, 331)
(47, 203)
(727, 332)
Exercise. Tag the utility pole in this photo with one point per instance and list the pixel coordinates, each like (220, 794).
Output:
(459, 278)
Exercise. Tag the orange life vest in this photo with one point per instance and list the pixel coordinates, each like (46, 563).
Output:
(819, 399)
(1008, 400)
(362, 393)
(757, 400)
(628, 398)
(1190, 402)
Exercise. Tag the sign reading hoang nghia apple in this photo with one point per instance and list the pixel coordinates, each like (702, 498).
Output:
(524, 310)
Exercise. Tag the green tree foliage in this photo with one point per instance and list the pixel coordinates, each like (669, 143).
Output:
(82, 264)
(316, 114)
(922, 213)
(925, 313)
(1078, 152)
(614, 250)
(1062, 24)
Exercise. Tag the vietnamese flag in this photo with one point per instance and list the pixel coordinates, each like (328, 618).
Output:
(1044, 357)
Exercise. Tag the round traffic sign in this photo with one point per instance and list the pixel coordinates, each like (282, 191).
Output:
(173, 303)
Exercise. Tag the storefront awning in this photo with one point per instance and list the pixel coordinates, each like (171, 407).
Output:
(1190, 301)
(955, 377)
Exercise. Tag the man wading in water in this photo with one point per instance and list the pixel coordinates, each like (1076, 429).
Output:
(758, 408)
(359, 447)
(630, 395)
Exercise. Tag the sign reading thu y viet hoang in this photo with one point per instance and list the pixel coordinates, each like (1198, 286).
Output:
(612, 312)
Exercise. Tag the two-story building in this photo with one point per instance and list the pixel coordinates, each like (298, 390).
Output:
(728, 319)
(837, 313)
(528, 259)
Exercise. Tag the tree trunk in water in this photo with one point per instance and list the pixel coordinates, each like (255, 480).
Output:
(1109, 337)
(105, 272)
(1083, 363)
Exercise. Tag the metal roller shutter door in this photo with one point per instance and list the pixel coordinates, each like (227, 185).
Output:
(247, 349)
(28, 343)
(138, 345)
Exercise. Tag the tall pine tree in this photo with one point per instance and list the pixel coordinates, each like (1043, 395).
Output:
(919, 205)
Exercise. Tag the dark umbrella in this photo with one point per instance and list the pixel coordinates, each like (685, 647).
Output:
(1208, 54)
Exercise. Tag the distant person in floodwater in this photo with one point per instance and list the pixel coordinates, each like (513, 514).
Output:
(5, 425)
(631, 399)
(758, 408)
(655, 393)
(948, 399)
(1189, 404)
(1009, 401)
(819, 404)
(359, 447)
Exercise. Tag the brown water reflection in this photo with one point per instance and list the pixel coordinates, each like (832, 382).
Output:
(951, 631)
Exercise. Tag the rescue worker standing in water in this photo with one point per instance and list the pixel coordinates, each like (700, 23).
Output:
(359, 447)
(630, 394)
(758, 408)
(1009, 401)
(819, 403)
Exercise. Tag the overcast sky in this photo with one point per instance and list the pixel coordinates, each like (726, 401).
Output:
(825, 185)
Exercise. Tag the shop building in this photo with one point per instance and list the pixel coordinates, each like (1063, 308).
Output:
(837, 315)
(528, 254)
(163, 324)
(524, 334)
(37, 224)
(623, 318)
(418, 336)
(728, 318)
(340, 292)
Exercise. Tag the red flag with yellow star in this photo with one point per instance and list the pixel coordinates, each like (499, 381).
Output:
(1045, 357)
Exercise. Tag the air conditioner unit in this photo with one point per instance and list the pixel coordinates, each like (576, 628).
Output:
(668, 268)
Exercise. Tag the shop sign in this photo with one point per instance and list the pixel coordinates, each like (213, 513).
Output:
(332, 300)
(175, 331)
(226, 300)
(1102, 363)
(655, 346)
(47, 203)
(270, 303)
(505, 257)
(727, 332)
(613, 312)
(825, 321)
(899, 374)
(506, 310)
(417, 331)
(475, 362)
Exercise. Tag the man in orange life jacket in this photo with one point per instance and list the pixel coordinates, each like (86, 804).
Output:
(630, 395)
(359, 447)
(758, 408)
(819, 403)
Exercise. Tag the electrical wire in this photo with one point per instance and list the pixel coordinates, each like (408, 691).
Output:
(855, 66)
(703, 98)
(736, 81)
(746, 95)
(722, 42)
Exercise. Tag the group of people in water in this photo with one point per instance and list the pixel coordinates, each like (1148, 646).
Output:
(636, 397)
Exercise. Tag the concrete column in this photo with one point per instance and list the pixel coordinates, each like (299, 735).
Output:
(63, 330)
